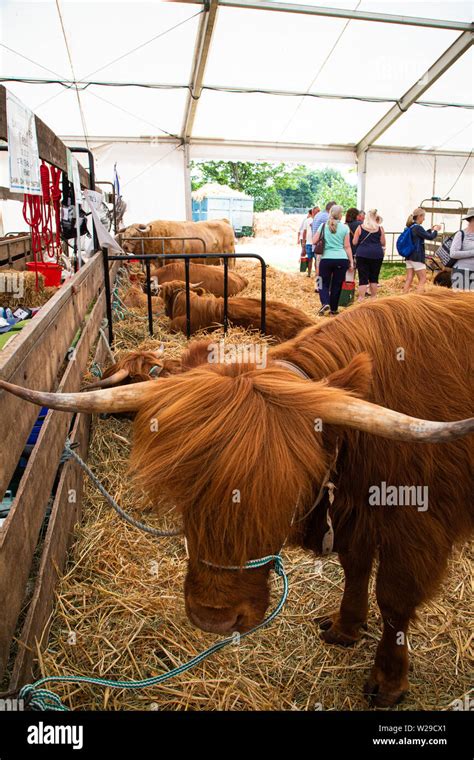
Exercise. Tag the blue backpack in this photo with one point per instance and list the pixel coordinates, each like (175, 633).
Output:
(405, 243)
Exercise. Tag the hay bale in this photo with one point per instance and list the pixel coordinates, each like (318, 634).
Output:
(19, 289)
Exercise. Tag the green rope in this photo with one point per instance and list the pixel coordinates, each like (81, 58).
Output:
(96, 370)
(37, 698)
(69, 453)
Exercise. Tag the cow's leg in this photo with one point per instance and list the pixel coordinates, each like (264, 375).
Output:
(403, 583)
(178, 324)
(344, 627)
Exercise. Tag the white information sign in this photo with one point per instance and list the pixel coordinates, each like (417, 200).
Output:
(23, 155)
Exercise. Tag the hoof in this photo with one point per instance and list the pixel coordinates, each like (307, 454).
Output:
(382, 696)
(332, 633)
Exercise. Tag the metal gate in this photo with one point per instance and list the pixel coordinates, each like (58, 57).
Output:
(147, 257)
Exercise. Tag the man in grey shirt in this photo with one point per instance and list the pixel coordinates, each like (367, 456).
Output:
(462, 250)
(322, 217)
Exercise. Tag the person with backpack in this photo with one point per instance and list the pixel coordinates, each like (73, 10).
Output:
(411, 246)
(336, 259)
(369, 242)
(462, 251)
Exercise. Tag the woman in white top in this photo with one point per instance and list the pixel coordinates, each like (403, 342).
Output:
(462, 249)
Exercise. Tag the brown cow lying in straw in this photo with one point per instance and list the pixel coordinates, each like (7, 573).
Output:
(207, 311)
(360, 420)
(211, 278)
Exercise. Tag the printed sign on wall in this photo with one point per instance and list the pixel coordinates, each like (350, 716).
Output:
(23, 155)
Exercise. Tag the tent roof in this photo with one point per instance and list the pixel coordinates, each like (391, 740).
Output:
(321, 79)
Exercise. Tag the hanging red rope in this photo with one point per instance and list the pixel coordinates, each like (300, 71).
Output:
(32, 213)
(56, 204)
(43, 216)
(46, 230)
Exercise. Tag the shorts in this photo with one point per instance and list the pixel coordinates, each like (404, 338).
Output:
(309, 251)
(416, 265)
(369, 270)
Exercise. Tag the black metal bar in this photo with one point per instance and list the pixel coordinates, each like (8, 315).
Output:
(108, 294)
(148, 297)
(90, 157)
(263, 296)
(226, 292)
(188, 298)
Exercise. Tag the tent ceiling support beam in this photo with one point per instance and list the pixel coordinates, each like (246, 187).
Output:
(455, 51)
(311, 10)
(102, 141)
(201, 53)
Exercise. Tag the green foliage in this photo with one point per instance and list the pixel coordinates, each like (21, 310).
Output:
(275, 186)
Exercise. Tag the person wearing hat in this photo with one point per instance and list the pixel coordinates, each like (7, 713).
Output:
(462, 249)
(415, 263)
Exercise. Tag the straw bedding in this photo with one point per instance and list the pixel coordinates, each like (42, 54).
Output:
(121, 597)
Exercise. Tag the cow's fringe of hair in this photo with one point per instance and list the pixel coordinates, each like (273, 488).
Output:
(221, 440)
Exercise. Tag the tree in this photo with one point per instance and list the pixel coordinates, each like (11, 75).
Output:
(274, 186)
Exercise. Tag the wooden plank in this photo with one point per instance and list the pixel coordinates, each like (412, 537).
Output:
(64, 516)
(7, 195)
(444, 210)
(19, 534)
(36, 355)
(57, 541)
(50, 147)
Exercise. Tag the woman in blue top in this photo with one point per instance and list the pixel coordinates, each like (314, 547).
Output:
(416, 261)
(336, 260)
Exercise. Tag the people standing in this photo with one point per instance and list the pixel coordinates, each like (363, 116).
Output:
(361, 216)
(369, 242)
(336, 260)
(321, 217)
(462, 250)
(308, 240)
(415, 263)
(353, 223)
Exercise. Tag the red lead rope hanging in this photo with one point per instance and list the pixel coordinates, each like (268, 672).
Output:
(56, 204)
(38, 214)
(32, 204)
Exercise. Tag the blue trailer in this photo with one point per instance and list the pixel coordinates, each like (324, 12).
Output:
(238, 210)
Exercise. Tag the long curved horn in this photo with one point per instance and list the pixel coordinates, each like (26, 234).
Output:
(107, 382)
(122, 399)
(378, 420)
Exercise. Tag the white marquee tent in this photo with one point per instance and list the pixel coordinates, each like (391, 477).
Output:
(386, 86)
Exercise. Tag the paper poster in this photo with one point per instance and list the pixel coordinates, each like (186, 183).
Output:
(23, 155)
(94, 200)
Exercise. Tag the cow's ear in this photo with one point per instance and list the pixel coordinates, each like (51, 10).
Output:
(355, 377)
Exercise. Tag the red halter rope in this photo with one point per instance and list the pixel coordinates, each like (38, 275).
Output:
(38, 214)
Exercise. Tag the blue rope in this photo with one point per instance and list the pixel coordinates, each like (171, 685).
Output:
(37, 698)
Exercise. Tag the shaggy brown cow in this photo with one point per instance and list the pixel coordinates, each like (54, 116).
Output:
(207, 311)
(138, 366)
(212, 280)
(275, 438)
(218, 236)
